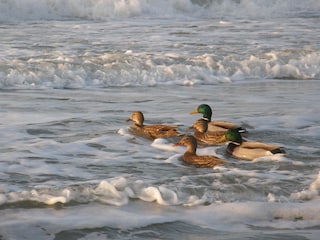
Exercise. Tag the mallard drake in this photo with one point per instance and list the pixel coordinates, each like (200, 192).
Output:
(205, 137)
(206, 111)
(192, 158)
(247, 150)
(150, 131)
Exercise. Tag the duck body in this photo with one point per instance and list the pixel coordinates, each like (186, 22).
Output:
(150, 131)
(248, 150)
(190, 156)
(205, 137)
(213, 126)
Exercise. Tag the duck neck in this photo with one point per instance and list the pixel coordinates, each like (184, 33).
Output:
(239, 141)
(207, 116)
(191, 149)
(138, 124)
(231, 146)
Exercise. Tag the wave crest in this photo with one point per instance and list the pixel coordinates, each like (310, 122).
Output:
(115, 192)
(132, 69)
(16, 10)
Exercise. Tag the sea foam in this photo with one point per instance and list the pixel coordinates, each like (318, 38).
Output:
(129, 70)
(309, 194)
(105, 9)
(120, 191)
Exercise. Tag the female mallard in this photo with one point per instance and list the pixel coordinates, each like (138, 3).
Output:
(192, 158)
(246, 150)
(206, 111)
(150, 131)
(205, 137)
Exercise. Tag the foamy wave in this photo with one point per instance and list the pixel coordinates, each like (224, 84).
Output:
(104, 9)
(260, 215)
(116, 192)
(120, 191)
(130, 69)
(309, 194)
(89, 9)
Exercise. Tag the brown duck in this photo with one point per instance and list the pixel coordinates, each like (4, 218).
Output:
(192, 158)
(150, 131)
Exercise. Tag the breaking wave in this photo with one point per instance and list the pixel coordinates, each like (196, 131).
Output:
(138, 69)
(16, 10)
(120, 191)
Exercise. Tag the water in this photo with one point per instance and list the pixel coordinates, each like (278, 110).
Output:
(72, 72)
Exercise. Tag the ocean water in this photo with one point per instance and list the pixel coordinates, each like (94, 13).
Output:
(72, 72)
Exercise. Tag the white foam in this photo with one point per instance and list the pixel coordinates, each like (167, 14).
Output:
(122, 192)
(104, 9)
(3, 199)
(164, 144)
(246, 218)
(125, 133)
(108, 193)
(311, 193)
(176, 160)
(128, 70)
(116, 192)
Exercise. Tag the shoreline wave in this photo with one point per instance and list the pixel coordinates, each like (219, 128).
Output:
(120, 191)
(130, 69)
(33, 10)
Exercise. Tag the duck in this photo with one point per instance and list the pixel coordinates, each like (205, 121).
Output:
(249, 150)
(206, 112)
(150, 131)
(205, 137)
(191, 157)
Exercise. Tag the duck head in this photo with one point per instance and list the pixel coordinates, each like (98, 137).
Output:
(137, 117)
(189, 141)
(233, 135)
(205, 110)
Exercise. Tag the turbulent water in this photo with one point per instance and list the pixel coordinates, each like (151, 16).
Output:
(73, 71)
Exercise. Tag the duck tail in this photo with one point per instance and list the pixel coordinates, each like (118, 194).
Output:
(279, 150)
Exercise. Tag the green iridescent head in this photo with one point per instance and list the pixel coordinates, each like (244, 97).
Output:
(233, 135)
(205, 110)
